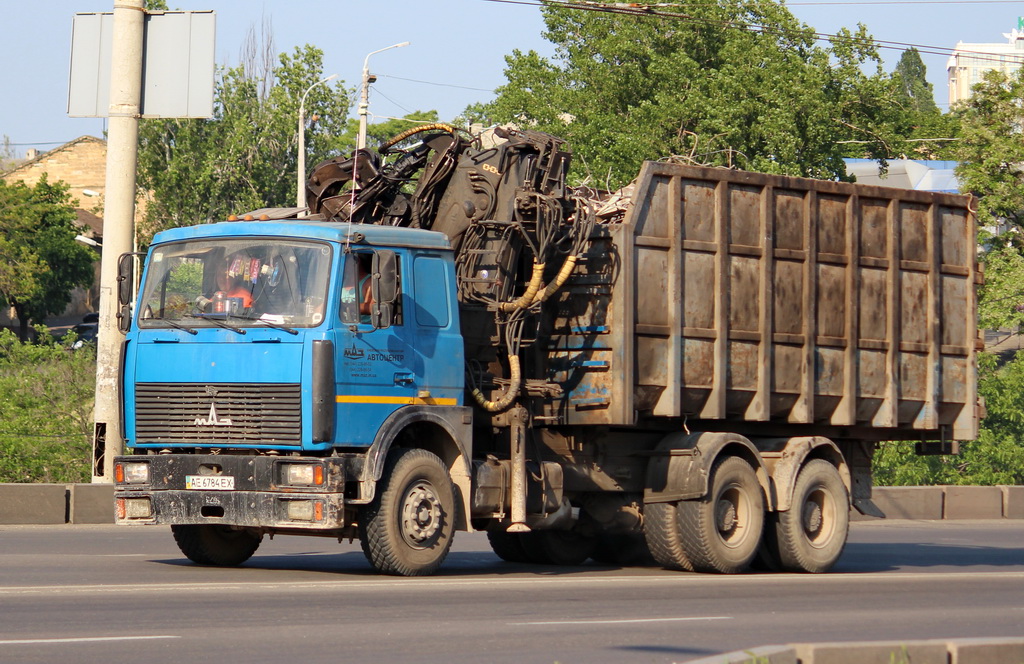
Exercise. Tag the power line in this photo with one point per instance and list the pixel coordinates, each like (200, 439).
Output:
(448, 85)
(634, 9)
(906, 2)
(20, 145)
(377, 90)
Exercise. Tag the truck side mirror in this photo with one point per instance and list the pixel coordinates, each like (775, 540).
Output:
(125, 288)
(384, 288)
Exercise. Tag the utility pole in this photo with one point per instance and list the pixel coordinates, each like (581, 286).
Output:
(118, 224)
(300, 188)
(364, 94)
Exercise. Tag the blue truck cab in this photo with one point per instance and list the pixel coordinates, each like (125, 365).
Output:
(272, 369)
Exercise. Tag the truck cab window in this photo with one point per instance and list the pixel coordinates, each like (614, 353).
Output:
(241, 282)
(356, 291)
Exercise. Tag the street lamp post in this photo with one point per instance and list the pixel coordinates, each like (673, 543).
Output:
(364, 95)
(300, 191)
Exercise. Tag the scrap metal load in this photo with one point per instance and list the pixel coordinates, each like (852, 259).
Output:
(717, 299)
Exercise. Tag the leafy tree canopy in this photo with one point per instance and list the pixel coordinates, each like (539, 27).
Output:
(623, 88)
(996, 457)
(245, 156)
(991, 168)
(40, 261)
(991, 150)
(912, 84)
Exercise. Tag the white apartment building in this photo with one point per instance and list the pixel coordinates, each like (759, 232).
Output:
(969, 62)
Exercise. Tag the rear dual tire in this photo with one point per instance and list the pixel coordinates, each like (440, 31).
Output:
(720, 532)
(811, 535)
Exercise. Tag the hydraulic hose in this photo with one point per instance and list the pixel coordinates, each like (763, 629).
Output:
(563, 275)
(415, 130)
(527, 298)
(516, 378)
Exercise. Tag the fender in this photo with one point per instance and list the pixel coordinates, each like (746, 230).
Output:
(681, 465)
(795, 451)
(455, 421)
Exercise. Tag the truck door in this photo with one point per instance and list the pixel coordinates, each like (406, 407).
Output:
(374, 366)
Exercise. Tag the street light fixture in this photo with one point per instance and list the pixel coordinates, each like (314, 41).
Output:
(364, 96)
(300, 191)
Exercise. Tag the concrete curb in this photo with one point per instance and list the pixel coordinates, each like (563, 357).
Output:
(91, 503)
(34, 504)
(27, 504)
(1013, 502)
(939, 651)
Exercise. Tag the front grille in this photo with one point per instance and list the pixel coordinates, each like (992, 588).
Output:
(218, 414)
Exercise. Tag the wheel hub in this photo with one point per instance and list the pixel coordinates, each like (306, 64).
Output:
(726, 516)
(421, 516)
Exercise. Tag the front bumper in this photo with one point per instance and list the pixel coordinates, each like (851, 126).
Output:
(259, 497)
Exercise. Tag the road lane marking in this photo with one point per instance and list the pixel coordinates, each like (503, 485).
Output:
(84, 639)
(487, 582)
(619, 622)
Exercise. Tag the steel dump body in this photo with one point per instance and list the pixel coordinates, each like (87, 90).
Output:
(774, 305)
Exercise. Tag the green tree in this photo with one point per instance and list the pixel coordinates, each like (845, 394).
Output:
(932, 134)
(624, 88)
(46, 401)
(991, 151)
(8, 158)
(996, 457)
(991, 168)
(911, 77)
(40, 261)
(245, 156)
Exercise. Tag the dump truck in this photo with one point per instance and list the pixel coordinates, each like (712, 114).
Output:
(695, 370)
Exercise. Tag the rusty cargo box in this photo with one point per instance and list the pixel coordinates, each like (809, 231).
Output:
(726, 298)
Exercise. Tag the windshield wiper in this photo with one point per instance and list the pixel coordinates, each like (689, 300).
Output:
(175, 325)
(255, 319)
(218, 323)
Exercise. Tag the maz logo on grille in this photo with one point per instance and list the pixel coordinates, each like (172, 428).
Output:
(212, 420)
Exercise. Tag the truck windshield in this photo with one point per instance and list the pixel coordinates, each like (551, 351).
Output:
(241, 282)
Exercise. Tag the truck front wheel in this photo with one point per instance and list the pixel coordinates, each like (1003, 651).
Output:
(811, 535)
(722, 531)
(209, 544)
(408, 528)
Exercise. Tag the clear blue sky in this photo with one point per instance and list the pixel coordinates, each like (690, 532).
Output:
(454, 43)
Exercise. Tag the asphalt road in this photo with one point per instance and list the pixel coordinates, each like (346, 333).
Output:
(108, 594)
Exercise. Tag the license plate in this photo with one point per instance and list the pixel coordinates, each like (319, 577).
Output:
(210, 482)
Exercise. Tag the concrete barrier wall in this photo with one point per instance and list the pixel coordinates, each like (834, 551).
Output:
(34, 504)
(939, 651)
(94, 503)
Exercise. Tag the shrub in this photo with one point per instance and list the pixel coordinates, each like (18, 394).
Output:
(46, 409)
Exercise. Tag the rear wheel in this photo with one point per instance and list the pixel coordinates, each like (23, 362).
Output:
(722, 531)
(407, 529)
(661, 532)
(623, 549)
(508, 546)
(223, 546)
(558, 547)
(811, 535)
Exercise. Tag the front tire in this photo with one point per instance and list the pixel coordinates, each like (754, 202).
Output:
(222, 546)
(722, 531)
(811, 535)
(407, 529)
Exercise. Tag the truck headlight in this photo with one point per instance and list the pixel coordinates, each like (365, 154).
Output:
(136, 472)
(309, 474)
